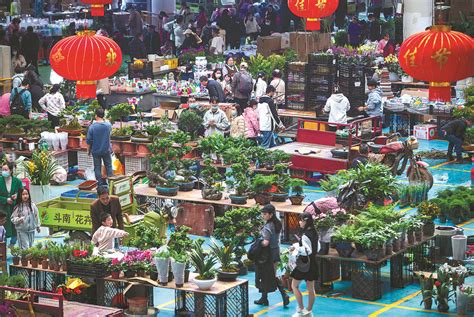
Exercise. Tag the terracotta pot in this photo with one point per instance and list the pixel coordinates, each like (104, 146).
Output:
(115, 274)
(34, 263)
(116, 147)
(129, 148)
(51, 265)
(129, 274)
(44, 264)
(64, 266)
(141, 273)
(57, 267)
(16, 260)
(297, 200)
(24, 262)
(142, 149)
(73, 143)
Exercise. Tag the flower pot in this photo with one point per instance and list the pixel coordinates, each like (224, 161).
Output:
(178, 272)
(419, 235)
(135, 139)
(263, 198)
(153, 275)
(40, 193)
(162, 266)
(410, 237)
(281, 198)
(204, 285)
(129, 148)
(375, 254)
(324, 249)
(427, 302)
(443, 306)
(186, 275)
(227, 276)
(428, 229)
(51, 265)
(459, 243)
(142, 149)
(129, 273)
(24, 261)
(57, 267)
(115, 274)
(44, 264)
(211, 194)
(138, 305)
(16, 260)
(185, 186)
(73, 143)
(116, 147)
(461, 302)
(167, 191)
(71, 132)
(325, 234)
(344, 249)
(34, 263)
(141, 273)
(238, 200)
(393, 76)
(64, 267)
(396, 245)
(120, 137)
(297, 200)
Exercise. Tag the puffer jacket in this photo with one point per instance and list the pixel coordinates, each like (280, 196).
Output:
(251, 123)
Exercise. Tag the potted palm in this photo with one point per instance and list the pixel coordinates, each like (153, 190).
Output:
(296, 186)
(162, 262)
(228, 271)
(204, 265)
(261, 186)
(212, 180)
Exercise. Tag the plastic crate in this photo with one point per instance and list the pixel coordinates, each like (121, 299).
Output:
(324, 59)
(136, 164)
(320, 69)
(320, 80)
(62, 158)
(75, 193)
(351, 71)
(84, 161)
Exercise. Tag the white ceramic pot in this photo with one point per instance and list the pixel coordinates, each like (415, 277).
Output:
(204, 285)
(40, 193)
(393, 76)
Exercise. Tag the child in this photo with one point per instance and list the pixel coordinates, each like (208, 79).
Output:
(3, 231)
(25, 217)
(104, 237)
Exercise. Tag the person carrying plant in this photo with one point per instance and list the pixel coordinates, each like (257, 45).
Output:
(98, 139)
(454, 132)
(26, 219)
(215, 120)
(104, 237)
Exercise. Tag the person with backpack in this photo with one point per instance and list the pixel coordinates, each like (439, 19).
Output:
(17, 79)
(20, 100)
(242, 86)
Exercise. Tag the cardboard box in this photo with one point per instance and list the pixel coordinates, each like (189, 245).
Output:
(305, 43)
(156, 65)
(425, 131)
(267, 45)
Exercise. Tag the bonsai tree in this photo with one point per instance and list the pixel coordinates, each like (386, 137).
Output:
(158, 129)
(212, 180)
(239, 177)
(190, 122)
(179, 241)
(296, 185)
(235, 228)
(186, 170)
(72, 113)
(262, 184)
(165, 158)
(119, 113)
(282, 178)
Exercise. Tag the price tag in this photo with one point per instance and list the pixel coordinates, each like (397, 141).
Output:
(357, 84)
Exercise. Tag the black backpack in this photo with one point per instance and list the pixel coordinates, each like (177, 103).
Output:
(17, 106)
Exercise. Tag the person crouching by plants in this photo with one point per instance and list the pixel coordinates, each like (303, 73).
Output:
(104, 237)
(266, 279)
(237, 124)
(26, 219)
(454, 132)
(215, 120)
(306, 268)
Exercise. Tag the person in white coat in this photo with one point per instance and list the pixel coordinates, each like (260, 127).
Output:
(337, 106)
(269, 121)
(260, 86)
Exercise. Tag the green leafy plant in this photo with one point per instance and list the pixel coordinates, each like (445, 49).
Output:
(344, 233)
(225, 255)
(146, 237)
(179, 242)
(41, 168)
(429, 210)
(296, 186)
(190, 122)
(203, 263)
(73, 124)
(469, 136)
(119, 112)
(262, 183)
(15, 250)
(239, 177)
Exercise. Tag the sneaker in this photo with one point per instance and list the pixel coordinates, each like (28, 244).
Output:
(301, 313)
(306, 313)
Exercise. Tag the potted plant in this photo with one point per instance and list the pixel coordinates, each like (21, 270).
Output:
(190, 122)
(212, 180)
(343, 238)
(162, 262)
(228, 271)
(120, 112)
(16, 251)
(296, 186)
(374, 243)
(44, 259)
(391, 62)
(185, 175)
(261, 186)
(25, 256)
(428, 212)
(36, 256)
(115, 268)
(204, 265)
(427, 284)
(153, 272)
(465, 299)
(178, 266)
(239, 181)
(142, 268)
(282, 183)
(72, 127)
(40, 170)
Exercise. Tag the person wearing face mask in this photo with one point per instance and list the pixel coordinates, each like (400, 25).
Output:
(229, 67)
(9, 188)
(215, 120)
(237, 124)
(217, 76)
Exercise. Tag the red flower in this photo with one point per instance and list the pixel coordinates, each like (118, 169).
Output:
(60, 290)
(76, 253)
(68, 290)
(437, 283)
(77, 291)
(83, 253)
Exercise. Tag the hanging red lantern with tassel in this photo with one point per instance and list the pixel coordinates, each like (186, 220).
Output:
(85, 58)
(313, 11)
(97, 6)
(439, 56)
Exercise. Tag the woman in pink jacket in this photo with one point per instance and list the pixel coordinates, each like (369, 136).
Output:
(251, 121)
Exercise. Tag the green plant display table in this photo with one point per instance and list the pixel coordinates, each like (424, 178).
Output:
(39, 279)
(366, 275)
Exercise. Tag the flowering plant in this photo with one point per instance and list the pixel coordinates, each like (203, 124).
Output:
(136, 260)
(73, 288)
(391, 62)
(331, 218)
(41, 168)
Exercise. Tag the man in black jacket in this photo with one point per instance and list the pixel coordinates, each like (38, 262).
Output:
(454, 132)
(137, 47)
(30, 44)
(152, 40)
(214, 88)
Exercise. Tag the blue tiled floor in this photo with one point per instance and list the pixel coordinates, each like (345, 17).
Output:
(395, 302)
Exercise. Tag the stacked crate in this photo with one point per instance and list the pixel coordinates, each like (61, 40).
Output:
(352, 83)
(320, 79)
(295, 86)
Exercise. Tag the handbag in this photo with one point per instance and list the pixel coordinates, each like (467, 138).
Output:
(303, 262)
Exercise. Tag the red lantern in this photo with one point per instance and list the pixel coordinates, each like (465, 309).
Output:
(85, 57)
(313, 10)
(439, 56)
(97, 6)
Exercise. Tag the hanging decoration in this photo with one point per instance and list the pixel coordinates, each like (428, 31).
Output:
(439, 56)
(85, 58)
(97, 6)
(313, 11)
